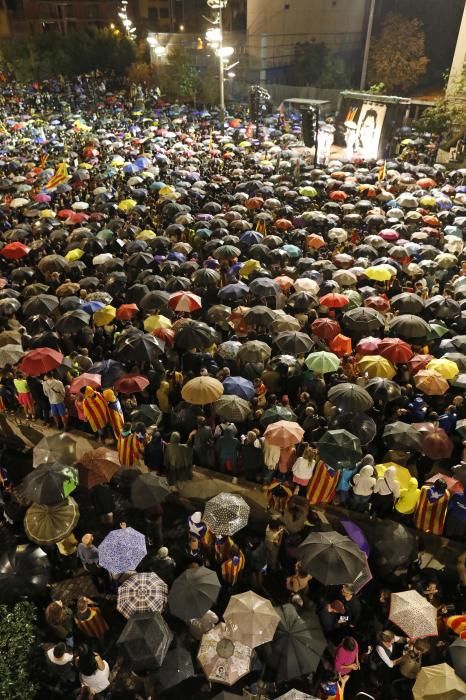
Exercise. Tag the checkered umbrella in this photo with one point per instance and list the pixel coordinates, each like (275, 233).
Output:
(142, 593)
(226, 513)
(233, 408)
(122, 550)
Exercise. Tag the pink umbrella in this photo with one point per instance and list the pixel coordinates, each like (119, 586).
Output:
(368, 346)
(437, 444)
(84, 380)
(42, 197)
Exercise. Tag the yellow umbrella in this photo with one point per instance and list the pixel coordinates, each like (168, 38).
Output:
(248, 267)
(380, 273)
(377, 366)
(402, 474)
(438, 682)
(447, 368)
(245, 144)
(104, 316)
(118, 161)
(146, 235)
(47, 214)
(127, 204)
(156, 321)
(430, 382)
(202, 390)
(75, 254)
(167, 191)
(85, 166)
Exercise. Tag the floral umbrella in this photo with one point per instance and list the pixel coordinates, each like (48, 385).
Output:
(412, 613)
(222, 659)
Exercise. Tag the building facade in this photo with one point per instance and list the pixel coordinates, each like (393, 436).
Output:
(32, 17)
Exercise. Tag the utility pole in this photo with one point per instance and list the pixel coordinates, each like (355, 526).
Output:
(367, 46)
(221, 72)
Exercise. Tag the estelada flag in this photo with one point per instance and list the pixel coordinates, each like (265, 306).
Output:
(430, 515)
(382, 175)
(323, 484)
(60, 177)
(43, 160)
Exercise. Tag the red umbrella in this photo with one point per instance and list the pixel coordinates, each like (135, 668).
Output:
(65, 213)
(126, 312)
(437, 444)
(418, 362)
(131, 384)
(338, 196)
(76, 217)
(325, 328)
(334, 300)
(14, 251)
(453, 485)
(378, 303)
(86, 379)
(395, 350)
(184, 301)
(166, 334)
(341, 345)
(40, 361)
(369, 346)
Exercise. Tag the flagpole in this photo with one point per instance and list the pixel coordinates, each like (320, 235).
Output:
(367, 46)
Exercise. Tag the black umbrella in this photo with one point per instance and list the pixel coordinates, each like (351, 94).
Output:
(363, 320)
(409, 327)
(148, 490)
(339, 449)
(402, 436)
(194, 334)
(302, 301)
(50, 483)
(140, 260)
(138, 348)
(52, 263)
(44, 304)
(154, 300)
(73, 321)
(38, 324)
(184, 416)
(260, 315)
(441, 307)
(360, 425)
(350, 398)
(331, 558)
(135, 293)
(457, 653)
(392, 541)
(407, 303)
(193, 593)
(176, 668)
(149, 414)
(295, 651)
(294, 342)
(70, 303)
(109, 370)
(24, 573)
(9, 306)
(383, 389)
(145, 641)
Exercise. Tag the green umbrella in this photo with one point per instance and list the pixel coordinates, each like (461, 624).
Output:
(437, 330)
(340, 449)
(322, 362)
(278, 412)
(354, 298)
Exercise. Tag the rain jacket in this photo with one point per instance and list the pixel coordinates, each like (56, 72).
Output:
(409, 497)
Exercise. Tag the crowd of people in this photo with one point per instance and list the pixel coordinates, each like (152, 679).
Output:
(199, 300)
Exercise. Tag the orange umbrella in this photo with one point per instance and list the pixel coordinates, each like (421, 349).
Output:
(284, 282)
(284, 433)
(341, 345)
(315, 241)
(437, 444)
(418, 362)
(431, 383)
(334, 300)
(126, 312)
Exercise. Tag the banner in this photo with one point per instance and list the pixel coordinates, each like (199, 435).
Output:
(370, 125)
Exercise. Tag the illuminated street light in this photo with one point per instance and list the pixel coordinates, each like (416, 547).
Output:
(225, 52)
(214, 37)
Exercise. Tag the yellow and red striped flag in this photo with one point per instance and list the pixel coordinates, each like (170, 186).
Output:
(43, 160)
(382, 175)
(60, 177)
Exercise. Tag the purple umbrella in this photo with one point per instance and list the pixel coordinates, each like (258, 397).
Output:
(122, 550)
(357, 535)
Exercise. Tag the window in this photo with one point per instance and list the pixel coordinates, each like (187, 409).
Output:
(164, 13)
(152, 14)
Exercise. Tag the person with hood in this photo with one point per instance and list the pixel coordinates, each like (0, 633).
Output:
(178, 460)
(227, 451)
(386, 493)
(95, 410)
(114, 411)
(406, 504)
(431, 508)
(363, 487)
(252, 456)
(201, 440)
(153, 453)
(128, 450)
(303, 468)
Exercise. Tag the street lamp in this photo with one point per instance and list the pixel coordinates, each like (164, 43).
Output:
(214, 37)
(155, 48)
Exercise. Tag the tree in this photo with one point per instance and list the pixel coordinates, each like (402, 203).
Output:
(178, 77)
(17, 647)
(447, 116)
(308, 63)
(397, 57)
(210, 85)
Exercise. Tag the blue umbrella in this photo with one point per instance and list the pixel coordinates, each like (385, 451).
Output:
(122, 550)
(240, 387)
(233, 292)
(251, 237)
(130, 169)
(90, 307)
(142, 162)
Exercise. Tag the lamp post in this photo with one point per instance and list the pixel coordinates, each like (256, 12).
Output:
(367, 46)
(214, 36)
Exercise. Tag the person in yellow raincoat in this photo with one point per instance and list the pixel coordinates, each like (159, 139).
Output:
(115, 412)
(95, 410)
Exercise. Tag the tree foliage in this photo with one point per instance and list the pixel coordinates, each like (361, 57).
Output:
(447, 116)
(17, 643)
(179, 79)
(308, 63)
(49, 55)
(397, 57)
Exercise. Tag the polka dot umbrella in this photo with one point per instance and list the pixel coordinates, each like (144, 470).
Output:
(226, 514)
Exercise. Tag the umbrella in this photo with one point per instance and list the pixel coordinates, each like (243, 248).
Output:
(222, 660)
(10, 354)
(122, 550)
(322, 362)
(202, 390)
(430, 382)
(363, 320)
(250, 619)
(277, 413)
(254, 351)
(145, 640)
(360, 425)
(408, 326)
(226, 514)
(395, 350)
(284, 433)
(142, 593)
(50, 483)
(457, 653)
(138, 348)
(339, 449)
(331, 558)
(297, 647)
(193, 593)
(453, 485)
(355, 533)
(232, 408)
(40, 361)
(239, 386)
(176, 668)
(383, 389)
(149, 414)
(149, 489)
(51, 524)
(334, 300)
(412, 613)
(41, 304)
(131, 384)
(350, 398)
(105, 315)
(325, 328)
(445, 367)
(85, 379)
(293, 342)
(296, 695)
(407, 303)
(438, 682)
(109, 371)
(393, 542)
(24, 573)
(97, 467)
(402, 436)
(376, 366)
(60, 447)
(184, 301)
(437, 444)
(72, 321)
(194, 334)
